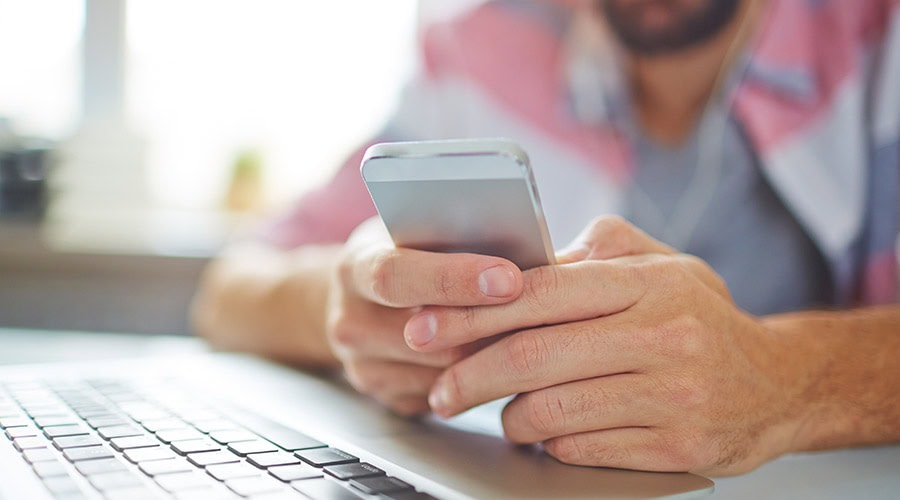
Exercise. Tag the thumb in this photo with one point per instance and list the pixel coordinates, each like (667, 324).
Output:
(608, 237)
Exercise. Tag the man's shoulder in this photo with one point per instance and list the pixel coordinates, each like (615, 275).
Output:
(509, 35)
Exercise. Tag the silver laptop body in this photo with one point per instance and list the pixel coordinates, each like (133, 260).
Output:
(465, 458)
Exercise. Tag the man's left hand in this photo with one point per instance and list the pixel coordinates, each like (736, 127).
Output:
(627, 355)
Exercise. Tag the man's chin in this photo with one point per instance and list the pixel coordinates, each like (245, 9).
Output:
(656, 27)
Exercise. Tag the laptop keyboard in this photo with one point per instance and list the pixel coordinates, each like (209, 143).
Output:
(123, 439)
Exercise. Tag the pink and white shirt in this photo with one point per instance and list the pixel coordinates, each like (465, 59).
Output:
(818, 98)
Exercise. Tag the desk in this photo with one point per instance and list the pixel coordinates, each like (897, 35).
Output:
(868, 473)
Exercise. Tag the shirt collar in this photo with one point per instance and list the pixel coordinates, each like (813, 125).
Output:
(595, 70)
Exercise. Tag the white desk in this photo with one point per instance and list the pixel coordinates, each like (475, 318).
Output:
(865, 473)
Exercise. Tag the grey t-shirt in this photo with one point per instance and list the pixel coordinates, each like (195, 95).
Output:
(744, 232)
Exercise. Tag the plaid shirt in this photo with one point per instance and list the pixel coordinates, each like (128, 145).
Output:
(817, 96)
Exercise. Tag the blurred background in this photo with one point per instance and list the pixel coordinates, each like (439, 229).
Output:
(137, 136)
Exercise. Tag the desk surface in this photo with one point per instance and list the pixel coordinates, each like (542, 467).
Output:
(871, 473)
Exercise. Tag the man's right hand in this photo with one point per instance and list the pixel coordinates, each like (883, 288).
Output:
(376, 289)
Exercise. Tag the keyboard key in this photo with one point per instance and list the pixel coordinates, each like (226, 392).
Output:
(64, 442)
(164, 424)
(27, 443)
(107, 421)
(288, 473)
(244, 448)
(129, 442)
(380, 484)
(116, 431)
(138, 493)
(62, 485)
(216, 424)
(407, 495)
(284, 437)
(183, 481)
(95, 412)
(138, 455)
(353, 471)
(47, 411)
(39, 455)
(212, 458)
(18, 432)
(232, 436)
(326, 456)
(217, 492)
(50, 469)
(223, 472)
(65, 430)
(323, 488)
(102, 466)
(141, 411)
(115, 480)
(56, 420)
(249, 486)
(195, 446)
(157, 467)
(87, 453)
(168, 436)
(264, 460)
(195, 415)
(7, 422)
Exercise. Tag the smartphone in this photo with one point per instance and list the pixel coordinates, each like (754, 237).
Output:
(475, 196)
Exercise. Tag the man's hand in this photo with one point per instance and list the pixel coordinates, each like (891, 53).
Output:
(639, 361)
(375, 291)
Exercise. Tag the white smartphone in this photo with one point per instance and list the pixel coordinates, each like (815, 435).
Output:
(475, 196)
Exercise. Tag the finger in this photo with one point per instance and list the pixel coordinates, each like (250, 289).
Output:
(552, 295)
(400, 277)
(624, 400)
(565, 293)
(637, 448)
(389, 381)
(539, 358)
(608, 237)
(408, 406)
(368, 330)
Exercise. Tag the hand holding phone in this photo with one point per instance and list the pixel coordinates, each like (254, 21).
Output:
(475, 196)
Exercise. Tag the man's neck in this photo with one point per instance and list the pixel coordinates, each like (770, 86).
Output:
(670, 91)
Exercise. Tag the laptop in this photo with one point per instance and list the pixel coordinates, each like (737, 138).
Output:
(205, 425)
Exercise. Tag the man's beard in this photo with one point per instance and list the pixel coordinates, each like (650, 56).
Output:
(688, 27)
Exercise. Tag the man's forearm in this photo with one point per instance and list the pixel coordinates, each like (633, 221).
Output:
(270, 302)
(844, 367)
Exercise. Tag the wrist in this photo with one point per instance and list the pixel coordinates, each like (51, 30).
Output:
(840, 376)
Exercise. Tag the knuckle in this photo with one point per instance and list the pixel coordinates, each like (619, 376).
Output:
(342, 333)
(567, 449)
(610, 224)
(542, 287)
(682, 337)
(679, 452)
(614, 233)
(526, 352)
(468, 317)
(545, 413)
(682, 392)
(447, 286)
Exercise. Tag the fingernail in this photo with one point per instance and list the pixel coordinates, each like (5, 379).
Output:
(438, 399)
(497, 281)
(421, 330)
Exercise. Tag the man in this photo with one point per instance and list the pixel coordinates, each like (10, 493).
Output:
(755, 141)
